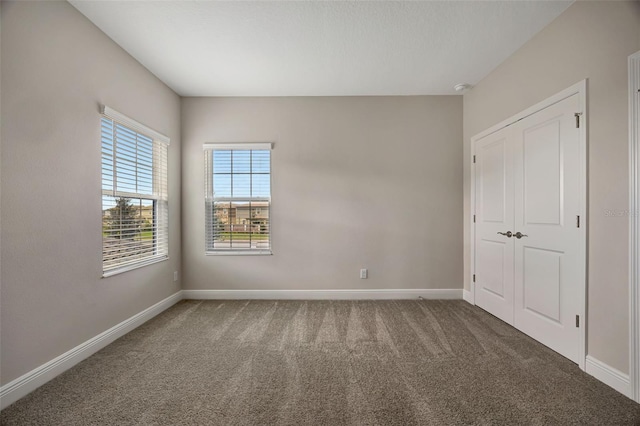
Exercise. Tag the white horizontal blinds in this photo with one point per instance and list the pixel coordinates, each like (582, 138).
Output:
(134, 197)
(238, 198)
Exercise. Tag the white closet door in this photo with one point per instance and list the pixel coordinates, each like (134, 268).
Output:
(547, 202)
(494, 215)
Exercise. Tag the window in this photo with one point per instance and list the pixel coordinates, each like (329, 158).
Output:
(135, 216)
(238, 198)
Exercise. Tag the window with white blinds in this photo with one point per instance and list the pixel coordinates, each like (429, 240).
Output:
(135, 216)
(238, 198)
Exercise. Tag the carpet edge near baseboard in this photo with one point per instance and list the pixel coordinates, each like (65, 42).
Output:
(608, 375)
(350, 294)
(28, 382)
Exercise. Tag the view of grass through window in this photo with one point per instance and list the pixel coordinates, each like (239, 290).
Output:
(127, 228)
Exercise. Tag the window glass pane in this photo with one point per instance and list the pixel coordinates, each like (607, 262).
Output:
(241, 185)
(125, 179)
(259, 224)
(260, 161)
(147, 219)
(241, 161)
(261, 185)
(107, 176)
(220, 226)
(220, 219)
(239, 224)
(127, 229)
(221, 161)
(222, 185)
(107, 204)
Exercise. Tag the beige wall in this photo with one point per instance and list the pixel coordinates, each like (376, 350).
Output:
(57, 67)
(360, 182)
(589, 40)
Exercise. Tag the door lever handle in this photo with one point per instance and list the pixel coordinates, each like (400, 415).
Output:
(519, 235)
(508, 234)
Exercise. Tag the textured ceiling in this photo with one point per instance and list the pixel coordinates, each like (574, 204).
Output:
(209, 48)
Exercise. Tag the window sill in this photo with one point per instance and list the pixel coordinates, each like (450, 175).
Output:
(238, 253)
(141, 264)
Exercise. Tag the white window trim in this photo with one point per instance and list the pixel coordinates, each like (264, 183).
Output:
(240, 146)
(131, 267)
(129, 122)
(133, 124)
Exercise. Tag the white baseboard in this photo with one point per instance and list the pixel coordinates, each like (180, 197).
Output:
(37, 377)
(467, 296)
(609, 375)
(324, 294)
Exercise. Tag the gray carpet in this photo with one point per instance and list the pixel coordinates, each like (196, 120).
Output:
(324, 363)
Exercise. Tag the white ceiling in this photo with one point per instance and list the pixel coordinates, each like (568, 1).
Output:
(264, 48)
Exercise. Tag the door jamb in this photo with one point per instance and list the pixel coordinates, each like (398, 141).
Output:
(579, 88)
(634, 226)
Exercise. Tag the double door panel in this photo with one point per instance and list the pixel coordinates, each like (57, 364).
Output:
(528, 182)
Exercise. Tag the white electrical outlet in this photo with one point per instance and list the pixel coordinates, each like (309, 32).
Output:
(363, 273)
(175, 275)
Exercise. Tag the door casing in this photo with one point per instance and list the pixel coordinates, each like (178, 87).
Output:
(634, 226)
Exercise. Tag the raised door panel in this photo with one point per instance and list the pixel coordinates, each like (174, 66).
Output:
(493, 181)
(491, 266)
(542, 188)
(542, 283)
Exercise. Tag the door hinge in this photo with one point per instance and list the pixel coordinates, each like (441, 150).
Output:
(474, 218)
(577, 116)
(474, 278)
(577, 320)
(578, 221)
(474, 159)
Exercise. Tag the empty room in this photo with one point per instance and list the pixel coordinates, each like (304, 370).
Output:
(319, 212)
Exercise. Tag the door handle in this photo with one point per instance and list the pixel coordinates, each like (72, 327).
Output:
(508, 234)
(519, 235)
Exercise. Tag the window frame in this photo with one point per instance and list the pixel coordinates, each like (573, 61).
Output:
(160, 190)
(209, 199)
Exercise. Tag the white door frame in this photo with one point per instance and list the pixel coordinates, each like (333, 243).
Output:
(579, 88)
(634, 226)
